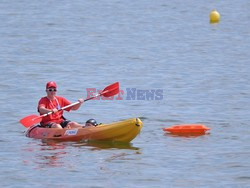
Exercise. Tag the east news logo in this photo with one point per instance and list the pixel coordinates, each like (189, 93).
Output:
(129, 94)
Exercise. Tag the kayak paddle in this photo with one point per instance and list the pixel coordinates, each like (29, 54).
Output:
(108, 91)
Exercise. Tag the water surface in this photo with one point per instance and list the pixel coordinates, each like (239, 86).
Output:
(203, 70)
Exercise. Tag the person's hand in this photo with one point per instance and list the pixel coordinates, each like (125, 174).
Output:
(80, 100)
(54, 110)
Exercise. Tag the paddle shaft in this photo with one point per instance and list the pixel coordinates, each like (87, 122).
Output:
(70, 105)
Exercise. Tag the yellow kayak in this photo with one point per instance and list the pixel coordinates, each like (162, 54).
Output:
(122, 131)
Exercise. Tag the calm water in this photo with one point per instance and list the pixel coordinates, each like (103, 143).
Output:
(202, 69)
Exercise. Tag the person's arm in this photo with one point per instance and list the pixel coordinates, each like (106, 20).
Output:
(44, 110)
(77, 106)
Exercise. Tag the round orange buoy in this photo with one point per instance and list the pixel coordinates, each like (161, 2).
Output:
(187, 129)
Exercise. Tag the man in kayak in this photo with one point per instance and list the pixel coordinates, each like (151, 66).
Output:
(52, 103)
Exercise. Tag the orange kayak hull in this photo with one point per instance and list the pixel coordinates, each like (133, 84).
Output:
(122, 131)
(187, 129)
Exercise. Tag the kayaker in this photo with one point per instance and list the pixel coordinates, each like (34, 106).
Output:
(53, 103)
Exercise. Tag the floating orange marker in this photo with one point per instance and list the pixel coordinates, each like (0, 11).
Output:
(187, 129)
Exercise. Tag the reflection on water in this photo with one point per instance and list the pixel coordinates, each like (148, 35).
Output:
(97, 145)
(55, 154)
(50, 160)
(94, 145)
(190, 135)
(45, 154)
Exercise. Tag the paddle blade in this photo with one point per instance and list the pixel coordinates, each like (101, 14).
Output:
(111, 90)
(30, 120)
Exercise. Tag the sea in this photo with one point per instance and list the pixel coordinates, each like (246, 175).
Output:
(173, 66)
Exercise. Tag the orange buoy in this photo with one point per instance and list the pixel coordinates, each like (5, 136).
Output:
(187, 129)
